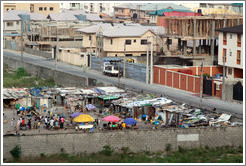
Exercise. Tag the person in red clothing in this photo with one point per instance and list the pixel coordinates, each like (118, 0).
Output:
(23, 121)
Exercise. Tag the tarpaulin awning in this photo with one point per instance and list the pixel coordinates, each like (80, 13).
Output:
(107, 97)
(111, 118)
(83, 118)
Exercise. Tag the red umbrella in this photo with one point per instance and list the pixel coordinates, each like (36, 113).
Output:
(111, 118)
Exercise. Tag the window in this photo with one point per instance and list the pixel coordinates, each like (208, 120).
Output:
(7, 9)
(12, 9)
(73, 4)
(10, 24)
(128, 54)
(45, 8)
(238, 57)
(51, 8)
(239, 40)
(40, 8)
(144, 42)
(230, 53)
(111, 41)
(134, 41)
(116, 55)
(90, 37)
(229, 71)
(143, 54)
(230, 36)
(128, 42)
(224, 39)
(224, 55)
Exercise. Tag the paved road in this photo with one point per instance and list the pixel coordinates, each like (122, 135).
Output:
(172, 93)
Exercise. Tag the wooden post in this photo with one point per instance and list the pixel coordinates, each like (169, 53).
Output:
(194, 40)
(212, 40)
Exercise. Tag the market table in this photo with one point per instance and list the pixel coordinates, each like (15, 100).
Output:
(85, 126)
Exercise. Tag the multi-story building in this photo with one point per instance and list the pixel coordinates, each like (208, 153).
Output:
(44, 8)
(113, 37)
(71, 6)
(231, 50)
(100, 8)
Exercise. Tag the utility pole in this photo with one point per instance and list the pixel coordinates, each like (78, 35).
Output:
(147, 63)
(212, 40)
(114, 14)
(151, 61)
(22, 42)
(90, 52)
(201, 86)
(56, 46)
(96, 44)
(118, 74)
(223, 83)
(124, 72)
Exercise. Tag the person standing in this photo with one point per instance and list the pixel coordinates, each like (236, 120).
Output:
(62, 122)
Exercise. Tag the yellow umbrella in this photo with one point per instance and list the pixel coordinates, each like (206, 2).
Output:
(83, 118)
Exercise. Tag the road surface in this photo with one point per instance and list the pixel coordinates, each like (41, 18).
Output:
(172, 93)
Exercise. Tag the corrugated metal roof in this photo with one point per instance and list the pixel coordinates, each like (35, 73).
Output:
(129, 31)
(151, 6)
(62, 16)
(92, 17)
(234, 29)
(12, 15)
(160, 12)
(37, 16)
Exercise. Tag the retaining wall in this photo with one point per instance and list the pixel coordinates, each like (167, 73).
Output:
(60, 77)
(136, 140)
(39, 53)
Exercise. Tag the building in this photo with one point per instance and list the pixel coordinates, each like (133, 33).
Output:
(100, 8)
(154, 16)
(231, 50)
(237, 8)
(139, 10)
(44, 8)
(107, 40)
(71, 6)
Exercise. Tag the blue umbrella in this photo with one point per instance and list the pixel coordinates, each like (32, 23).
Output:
(130, 121)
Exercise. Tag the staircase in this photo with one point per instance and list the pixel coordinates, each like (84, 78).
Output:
(162, 45)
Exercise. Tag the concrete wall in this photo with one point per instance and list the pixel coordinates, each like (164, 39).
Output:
(7, 45)
(39, 53)
(61, 78)
(136, 140)
(73, 58)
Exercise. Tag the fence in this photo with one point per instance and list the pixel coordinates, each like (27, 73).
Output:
(238, 91)
(133, 70)
(37, 52)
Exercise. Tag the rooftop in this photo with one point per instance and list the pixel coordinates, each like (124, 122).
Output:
(235, 29)
(151, 6)
(160, 12)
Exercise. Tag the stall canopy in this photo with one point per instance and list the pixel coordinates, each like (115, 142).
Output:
(107, 97)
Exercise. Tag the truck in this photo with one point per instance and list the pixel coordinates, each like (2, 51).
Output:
(111, 69)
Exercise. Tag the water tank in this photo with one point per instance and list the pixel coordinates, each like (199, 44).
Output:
(25, 18)
(81, 17)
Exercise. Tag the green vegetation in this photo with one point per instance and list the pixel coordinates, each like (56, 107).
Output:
(107, 155)
(16, 152)
(21, 79)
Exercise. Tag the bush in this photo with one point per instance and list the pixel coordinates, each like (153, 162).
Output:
(180, 149)
(20, 72)
(168, 147)
(107, 150)
(206, 75)
(16, 152)
(125, 150)
(42, 155)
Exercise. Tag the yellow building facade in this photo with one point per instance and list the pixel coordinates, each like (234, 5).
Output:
(45, 8)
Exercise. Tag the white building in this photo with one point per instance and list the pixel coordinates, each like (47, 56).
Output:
(231, 49)
(104, 8)
(99, 8)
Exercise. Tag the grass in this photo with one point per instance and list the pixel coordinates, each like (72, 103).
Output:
(198, 155)
(21, 79)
